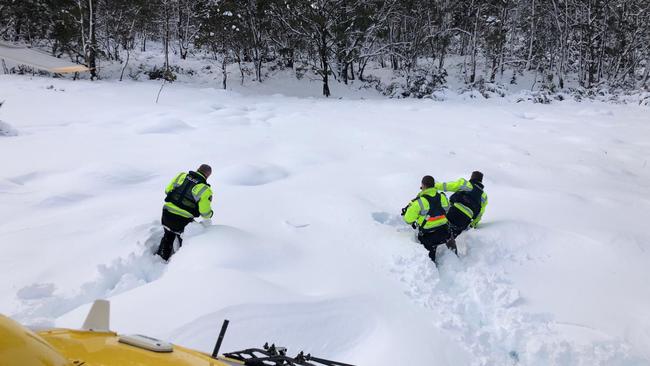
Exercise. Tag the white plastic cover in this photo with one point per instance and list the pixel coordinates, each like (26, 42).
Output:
(148, 343)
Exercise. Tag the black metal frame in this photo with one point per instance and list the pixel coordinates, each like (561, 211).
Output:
(270, 355)
(277, 356)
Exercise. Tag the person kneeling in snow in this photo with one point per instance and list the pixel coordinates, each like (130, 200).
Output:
(188, 196)
(467, 204)
(428, 213)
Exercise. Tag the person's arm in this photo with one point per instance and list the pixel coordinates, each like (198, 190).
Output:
(178, 179)
(412, 212)
(484, 202)
(458, 185)
(205, 200)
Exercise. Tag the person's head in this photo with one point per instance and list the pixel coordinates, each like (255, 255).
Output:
(205, 170)
(427, 182)
(477, 177)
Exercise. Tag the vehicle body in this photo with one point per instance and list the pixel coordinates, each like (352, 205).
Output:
(96, 345)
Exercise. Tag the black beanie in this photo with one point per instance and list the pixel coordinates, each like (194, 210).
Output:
(477, 176)
(428, 181)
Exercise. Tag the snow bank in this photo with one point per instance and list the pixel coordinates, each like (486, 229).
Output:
(166, 125)
(252, 174)
(7, 130)
(322, 327)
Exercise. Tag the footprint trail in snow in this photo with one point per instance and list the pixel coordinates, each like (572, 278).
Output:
(40, 304)
(473, 298)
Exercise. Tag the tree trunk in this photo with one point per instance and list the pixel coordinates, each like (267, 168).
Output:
(256, 38)
(92, 48)
(495, 67)
(224, 72)
(181, 32)
(591, 52)
(257, 59)
(532, 37)
(563, 38)
(18, 27)
(472, 77)
(362, 67)
(143, 48)
(258, 69)
(241, 69)
(166, 40)
(323, 61)
(128, 54)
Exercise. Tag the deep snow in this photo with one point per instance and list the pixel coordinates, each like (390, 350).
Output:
(306, 248)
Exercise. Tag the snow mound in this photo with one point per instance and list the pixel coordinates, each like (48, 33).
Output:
(6, 186)
(36, 291)
(163, 126)
(252, 174)
(41, 303)
(230, 120)
(227, 247)
(120, 176)
(7, 130)
(308, 325)
(591, 112)
(64, 200)
(26, 178)
(526, 115)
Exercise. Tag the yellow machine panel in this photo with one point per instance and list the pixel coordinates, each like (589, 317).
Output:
(96, 345)
(104, 349)
(19, 346)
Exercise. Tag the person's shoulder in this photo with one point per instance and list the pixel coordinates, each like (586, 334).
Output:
(178, 176)
(205, 185)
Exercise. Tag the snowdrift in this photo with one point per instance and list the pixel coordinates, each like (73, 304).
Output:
(7, 130)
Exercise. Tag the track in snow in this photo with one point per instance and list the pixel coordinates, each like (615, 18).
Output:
(473, 297)
(40, 305)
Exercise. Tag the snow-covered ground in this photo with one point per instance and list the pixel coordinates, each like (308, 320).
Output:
(307, 249)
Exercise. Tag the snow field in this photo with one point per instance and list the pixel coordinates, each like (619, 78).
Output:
(306, 249)
(7, 130)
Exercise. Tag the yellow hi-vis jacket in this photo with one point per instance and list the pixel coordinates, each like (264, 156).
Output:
(463, 185)
(201, 193)
(418, 210)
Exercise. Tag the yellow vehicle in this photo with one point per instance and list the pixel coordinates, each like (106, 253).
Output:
(96, 345)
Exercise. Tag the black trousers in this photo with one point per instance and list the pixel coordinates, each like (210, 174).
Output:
(174, 226)
(458, 221)
(432, 239)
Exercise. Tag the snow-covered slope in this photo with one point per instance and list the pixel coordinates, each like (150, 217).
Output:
(306, 248)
